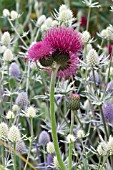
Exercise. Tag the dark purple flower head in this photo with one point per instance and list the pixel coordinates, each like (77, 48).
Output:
(22, 99)
(14, 70)
(83, 21)
(44, 138)
(60, 45)
(108, 111)
(49, 159)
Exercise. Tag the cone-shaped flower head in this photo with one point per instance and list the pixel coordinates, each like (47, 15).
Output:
(14, 70)
(59, 45)
(22, 99)
(14, 134)
(102, 148)
(20, 147)
(3, 130)
(44, 138)
(74, 102)
(92, 58)
(108, 111)
(50, 147)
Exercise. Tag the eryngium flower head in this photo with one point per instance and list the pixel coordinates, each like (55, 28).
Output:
(70, 138)
(109, 86)
(31, 112)
(56, 163)
(74, 102)
(10, 115)
(8, 55)
(44, 138)
(20, 147)
(5, 39)
(3, 130)
(80, 134)
(96, 77)
(92, 58)
(22, 100)
(49, 159)
(14, 134)
(50, 147)
(102, 148)
(14, 70)
(59, 45)
(108, 111)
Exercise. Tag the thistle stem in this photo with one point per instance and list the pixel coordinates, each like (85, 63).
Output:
(71, 143)
(104, 161)
(3, 161)
(31, 142)
(89, 12)
(53, 120)
(14, 156)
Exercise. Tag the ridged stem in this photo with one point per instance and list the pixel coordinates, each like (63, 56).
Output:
(14, 156)
(71, 143)
(53, 120)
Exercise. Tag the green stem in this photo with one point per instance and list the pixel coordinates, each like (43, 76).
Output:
(101, 45)
(3, 161)
(53, 120)
(104, 161)
(14, 156)
(99, 162)
(9, 87)
(104, 122)
(94, 79)
(31, 142)
(89, 12)
(71, 143)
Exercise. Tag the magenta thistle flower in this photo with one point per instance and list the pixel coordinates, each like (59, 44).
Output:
(60, 45)
(108, 111)
(39, 50)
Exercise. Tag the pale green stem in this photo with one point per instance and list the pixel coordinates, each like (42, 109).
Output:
(89, 12)
(101, 45)
(71, 143)
(31, 142)
(3, 156)
(104, 161)
(9, 87)
(99, 162)
(53, 120)
(14, 156)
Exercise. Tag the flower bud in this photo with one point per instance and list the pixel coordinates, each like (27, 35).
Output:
(54, 23)
(22, 99)
(15, 108)
(103, 33)
(14, 15)
(8, 55)
(86, 36)
(48, 22)
(74, 102)
(70, 138)
(2, 49)
(31, 112)
(44, 138)
(6, 13)
(50, 147)
(65, 15)
(14, 70)
(20, 147)
(80, 134)
(102, 148)
(10, 115)
(41, 20)
(5, 39)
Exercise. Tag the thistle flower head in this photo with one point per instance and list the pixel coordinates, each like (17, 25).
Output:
(10, 115)
(22, 100)
(44, 138)
(14, 134)
(50, 147)
(65, 15)
(2, 49)
(92, 58)
(21, 147)
(8, 55)
(5, 39)
(70, 138)
(59, 45)
(14, 15)
(49, 159)
(15, 108)
(80, 134)
(86, 36)
(3, 130)
(14, 70)
(108, 111)
(74, 102)
(102, 148)
(63, 7)
(41, 20)
(31, 112)
(6, 13)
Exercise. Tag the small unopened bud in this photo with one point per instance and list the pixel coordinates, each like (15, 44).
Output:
(8, 55)
(10, 115)
(6, 13)
(50, 147)
(5, 39)
(74, 102)
(80, 134)
(15, 108)
(86, 36)
(44, 138)
(102, 148)
(41, 20)
(3, 130)
(31, 112)
(103, 33)
(70, 138)
(92, 58)
(14, 15)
